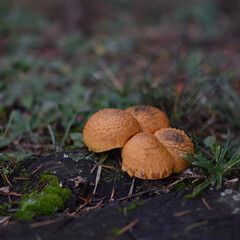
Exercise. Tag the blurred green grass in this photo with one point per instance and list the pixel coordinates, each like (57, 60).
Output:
(56, 72)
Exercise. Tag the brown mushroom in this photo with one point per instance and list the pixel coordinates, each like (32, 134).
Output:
(178, 144)
(144, 157)
(108, 129)
(150, 118)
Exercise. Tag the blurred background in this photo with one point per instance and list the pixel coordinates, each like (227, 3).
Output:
(61, 61)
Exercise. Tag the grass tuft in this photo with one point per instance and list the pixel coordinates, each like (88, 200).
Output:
(216, 164)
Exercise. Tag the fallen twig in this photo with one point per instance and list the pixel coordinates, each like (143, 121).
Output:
(8, 193)
(138, 194)
(110, 167)
(127, 227)
(179, 214)
(97, 179)
(113, 192)
(206, 204)
(172, 184)
(86, 200)
(195, 225)
(45, 183)
(96, 206)
(131, 188)
(80, 208)
(5, 220)
(37, 169)
(7, 180)
(21, 178)
(47, 222)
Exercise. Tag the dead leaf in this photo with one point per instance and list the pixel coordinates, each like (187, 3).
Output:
(4, 189)
(231, 182)
(189, 174)
(78, 180)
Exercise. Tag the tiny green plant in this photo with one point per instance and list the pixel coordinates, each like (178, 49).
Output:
(4, 131)
(216, 164)
(52, 136)
(132, 206)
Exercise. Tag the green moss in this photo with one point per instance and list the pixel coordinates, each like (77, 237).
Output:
(108, 177)
(180, 186)
(4, 208)
(131, 207)
(23, 173)
(25, 186)
(14, 181)
(50, 178)
(46, 202)
(115, 231)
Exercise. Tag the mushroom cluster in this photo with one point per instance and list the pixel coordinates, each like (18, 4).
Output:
(151, 149)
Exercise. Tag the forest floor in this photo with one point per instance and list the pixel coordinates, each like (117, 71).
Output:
(61, 62)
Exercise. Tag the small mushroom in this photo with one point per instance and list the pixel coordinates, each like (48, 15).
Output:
(108, 129)
(144, 157)
(178, 144)
(150, 118)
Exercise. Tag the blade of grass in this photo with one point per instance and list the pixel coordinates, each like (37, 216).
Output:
(116, 83)
(200, 162)
(230, 165)
(199, 189)
(3, 135)
(52, 137)
(226, 146)
(67, 130)
(200, 135)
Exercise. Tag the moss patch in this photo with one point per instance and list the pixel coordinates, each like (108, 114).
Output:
(181, 186)
(5, 207)
(131, 207)
(108, 177)
(45, 202)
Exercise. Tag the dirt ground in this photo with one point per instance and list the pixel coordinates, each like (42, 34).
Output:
(154, 211)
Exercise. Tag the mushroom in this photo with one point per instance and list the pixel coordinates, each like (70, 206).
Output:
(108, 129)
(150, 118)
(144, 157)
(178, 144)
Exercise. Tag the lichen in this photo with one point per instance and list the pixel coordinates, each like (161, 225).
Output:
(77, 156)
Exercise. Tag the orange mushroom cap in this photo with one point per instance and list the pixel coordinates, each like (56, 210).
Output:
(178, 144)
(150, 118)
(144, 157)
(108, 129)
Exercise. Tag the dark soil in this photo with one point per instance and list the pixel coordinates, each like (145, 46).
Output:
(154, 212)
